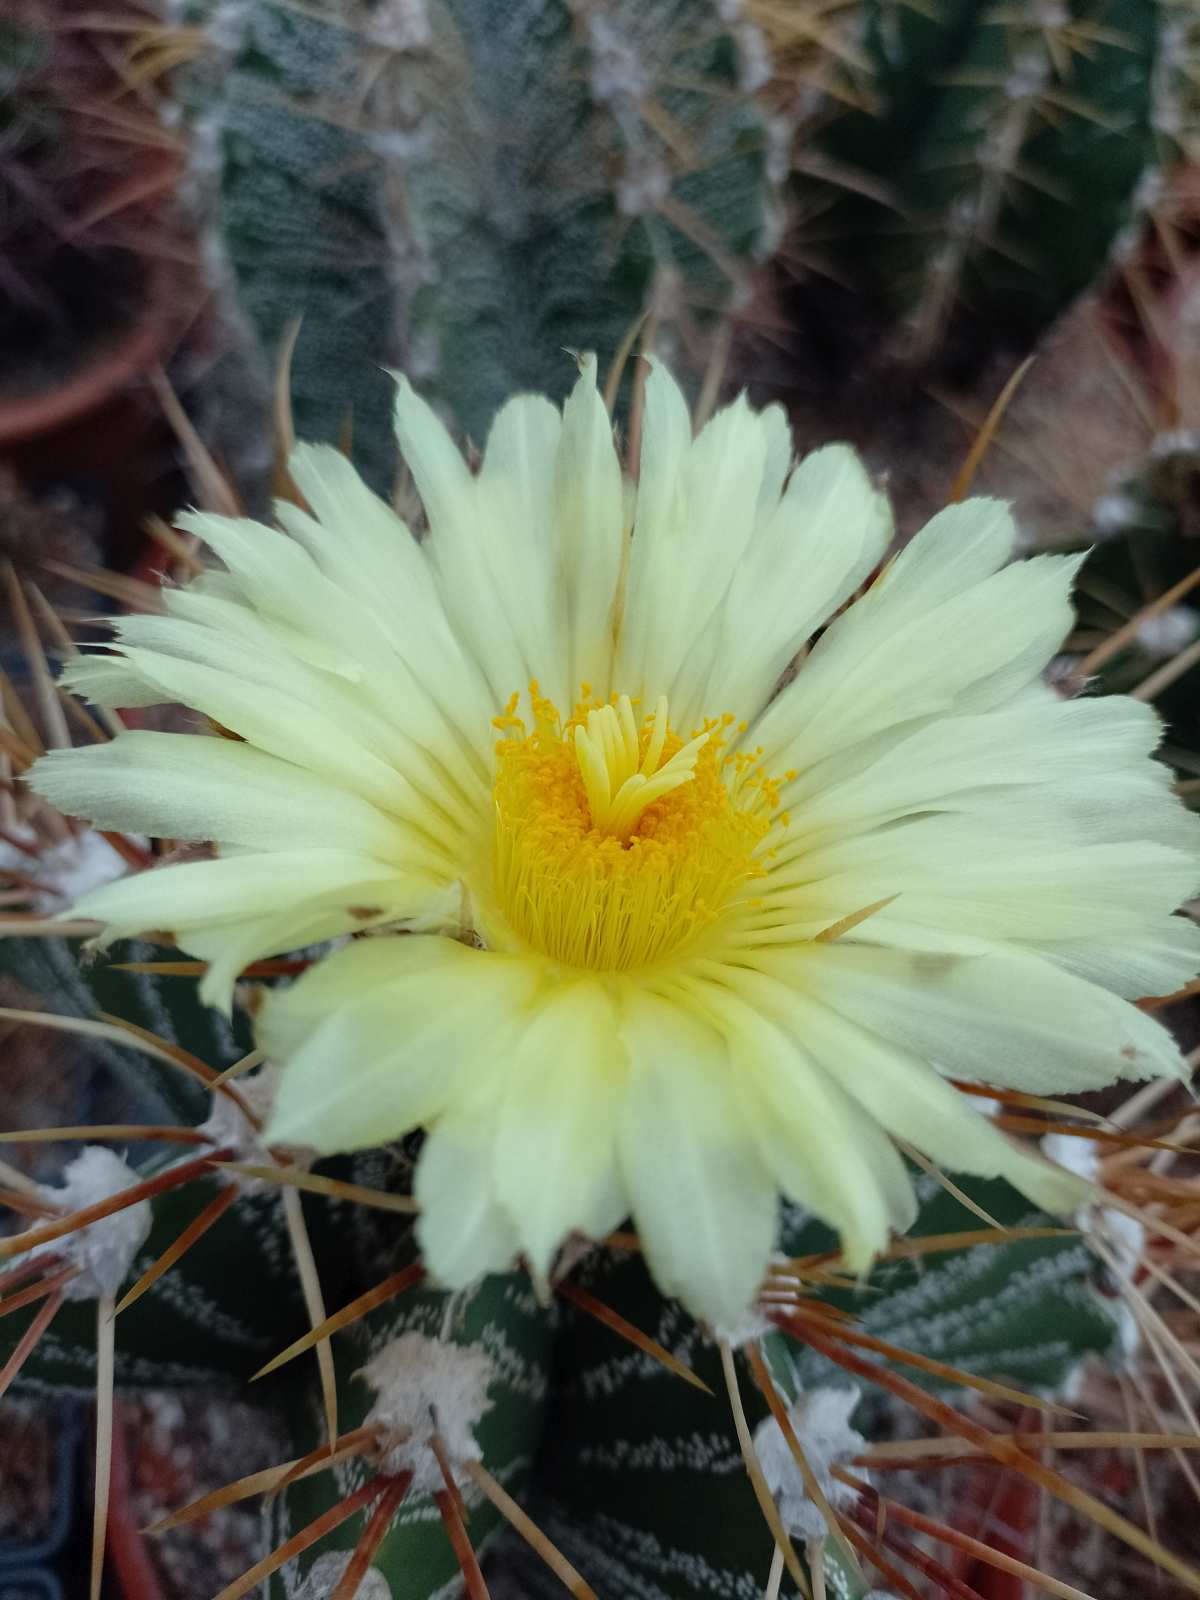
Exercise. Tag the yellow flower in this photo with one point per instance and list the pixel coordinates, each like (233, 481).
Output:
(657, 926)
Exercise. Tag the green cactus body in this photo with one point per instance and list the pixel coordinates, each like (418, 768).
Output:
(1143, 538)
(289, 199)
(1011, 139)
(636, 1475)
(468, 186)
(578, 165)
(640, 1478)
(212, 1322)
(500, 1317)
(79, 986)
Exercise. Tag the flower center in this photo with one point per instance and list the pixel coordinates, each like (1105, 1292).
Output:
(616, 842)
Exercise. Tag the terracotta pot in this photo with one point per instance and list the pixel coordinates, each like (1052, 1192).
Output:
(29, 1563)
(98, 381)
(98, 432)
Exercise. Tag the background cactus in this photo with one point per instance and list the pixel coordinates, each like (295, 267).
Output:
(1007, 149)
(466, 186)
(86, 187)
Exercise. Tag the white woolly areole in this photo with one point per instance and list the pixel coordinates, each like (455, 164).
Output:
(326, 1572)
(1125, 1237)
(748, 1329)
(1170, 632)
(103, 1251)
(1079, 1156)
(65, 871)
(1113, 513)
(423, 1387)
(821, 1418)
(1119, 1239)
(228, 1128)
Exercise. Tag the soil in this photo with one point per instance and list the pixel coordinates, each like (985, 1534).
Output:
(183, 1446)
(27, 1465)
(89, 300)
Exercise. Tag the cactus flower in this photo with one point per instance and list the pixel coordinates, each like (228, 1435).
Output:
(687, 856)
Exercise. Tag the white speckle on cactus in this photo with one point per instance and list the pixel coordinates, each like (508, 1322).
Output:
(205, 158)
(14, 858)
(1126, 1240)
(226, 26)
(104, 1251)
(1077, 1155)
(423, 355)
(643, 186)
(617, 70)
(1050, 14)
(780, 138)
(1178, 442)
(227, 1127)
(400, 25)
(1113, 513)
(399, 145)
(754, 60)
(1119, 1240)
(1028, 76)
(821, 1418)
(1168, 633)
(326, 1572)
(422, 1387)
(962, 221)
(1149, 189)
(987, 1106)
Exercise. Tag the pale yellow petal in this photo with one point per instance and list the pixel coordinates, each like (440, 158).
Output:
(325, 740)
(385, 1033)
(952, 874)
(109, 680)
(1007, 1018)
(683, 556)
(365, 547)
(516, 541)
(183, 786)
(192, 893)
(777, 432)
(911, 649)
(489, 543)
(591, 532)
(823, 1150)
(1157, 960)
(704, 1204)
(818, 545)
(908, 1098)
(956, 763)
(556, 1138)
(230, 947)
(463, 1230)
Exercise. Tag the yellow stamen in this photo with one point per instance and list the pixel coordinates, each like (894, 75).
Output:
(616, 844)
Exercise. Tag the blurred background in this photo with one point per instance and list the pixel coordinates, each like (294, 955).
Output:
(222, 221)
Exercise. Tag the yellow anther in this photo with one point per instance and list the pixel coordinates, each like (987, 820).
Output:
(618, 843)
(623, 773)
